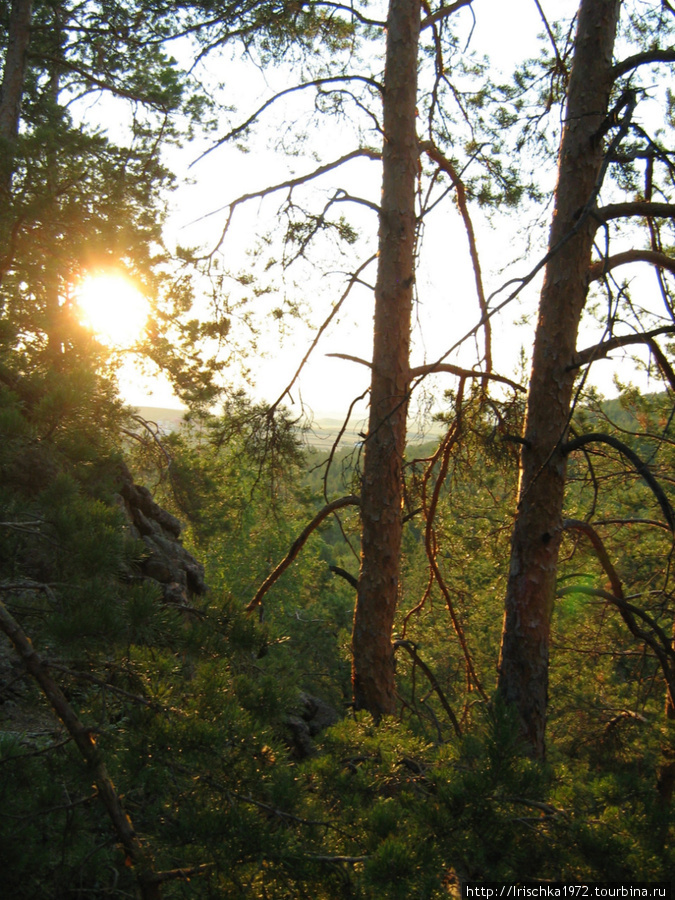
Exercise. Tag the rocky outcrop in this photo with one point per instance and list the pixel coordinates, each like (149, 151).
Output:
(312, 716)
(167, 562)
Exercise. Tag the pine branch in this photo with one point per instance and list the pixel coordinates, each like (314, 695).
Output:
(299, 543)
(660, 55)
(443, 13)
(644, 208)
(640, 467)
(599, 351)
(600, 268)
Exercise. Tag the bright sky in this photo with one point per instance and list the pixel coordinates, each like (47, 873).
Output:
(446, 291)
(447, 307)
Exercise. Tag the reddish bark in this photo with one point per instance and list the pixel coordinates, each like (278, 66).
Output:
(524, 656)
(381, 495)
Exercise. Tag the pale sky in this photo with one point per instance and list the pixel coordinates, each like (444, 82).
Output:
(507, 32)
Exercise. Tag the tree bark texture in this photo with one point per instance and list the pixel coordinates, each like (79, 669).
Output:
(382, 491)
(535, 543)
(11, 93)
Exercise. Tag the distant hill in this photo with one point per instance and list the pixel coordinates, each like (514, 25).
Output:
(321, 434)
(167, 420)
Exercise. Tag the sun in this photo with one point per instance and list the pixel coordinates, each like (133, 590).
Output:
(113, 307)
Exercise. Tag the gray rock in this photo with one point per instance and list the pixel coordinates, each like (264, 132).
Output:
(166, 561)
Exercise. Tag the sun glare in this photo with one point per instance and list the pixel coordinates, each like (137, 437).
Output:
(113, 308)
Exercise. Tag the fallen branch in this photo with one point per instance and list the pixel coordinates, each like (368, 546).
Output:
(138, 855)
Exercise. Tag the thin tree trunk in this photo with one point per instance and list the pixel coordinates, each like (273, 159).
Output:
(11, 93)
(524, 655)
(381, 495)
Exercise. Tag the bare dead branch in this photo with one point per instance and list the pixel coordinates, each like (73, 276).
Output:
(655, 523)
(317, 82)
(446, 166)
(430, 505)
(289, 184)
(432, 368)
(349, 358)
(352, 281)
(137, 853)
(542, 15)
(411, 649)
(183, 873)
(298, 544)
(153, 430)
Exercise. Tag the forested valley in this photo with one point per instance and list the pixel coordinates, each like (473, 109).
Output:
(239, 659)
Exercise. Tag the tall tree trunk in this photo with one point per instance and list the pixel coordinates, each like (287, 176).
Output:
(381, 494)
(11, 93)
(524, 655)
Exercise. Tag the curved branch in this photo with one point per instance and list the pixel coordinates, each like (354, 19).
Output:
(355, 277)
(655, 523)
(432, 368)
(598, 351)
(289, 184)
(364, 20)
(412, 651)
(663, 364)
(644, 208)
(653, 257)
(343, 573)
(640, 467)
(318, 82)
(443, 13)
(446, 166)
(662, 648)
(606, 563)
(298, 544)
(660, 55)
(349, 358)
